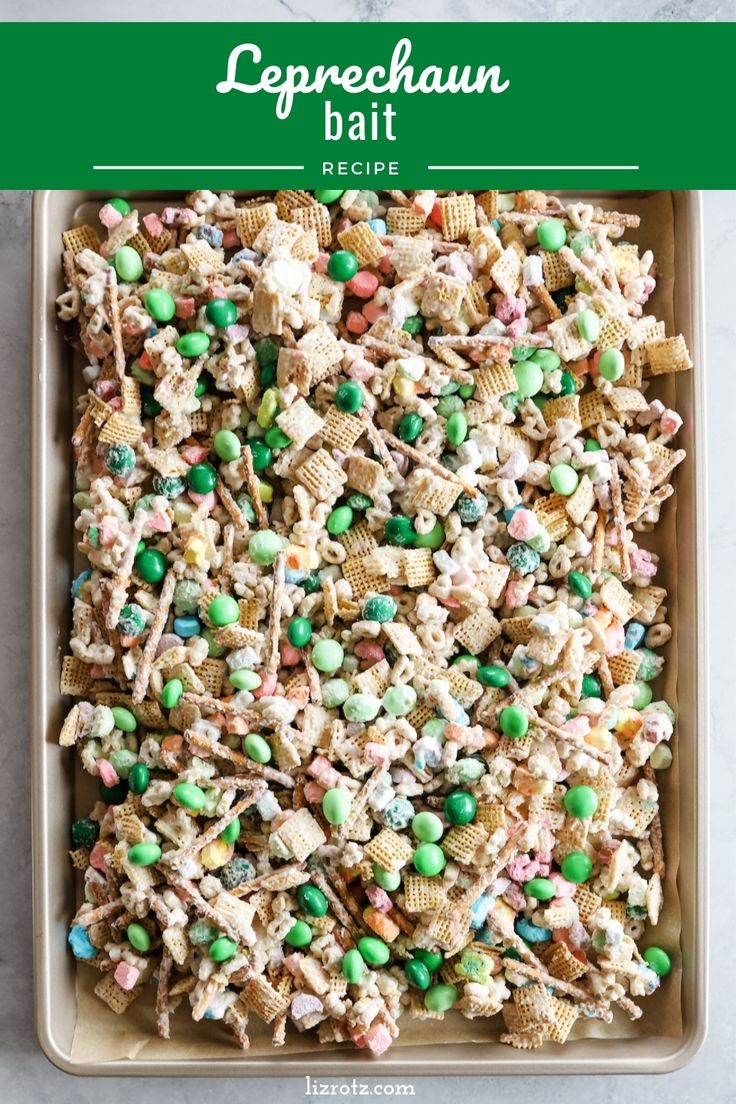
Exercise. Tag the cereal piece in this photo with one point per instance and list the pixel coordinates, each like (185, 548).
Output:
(322, 351)
(341, 430)
(249, 221)
(418, 566)
(626, 400)
(567, 340)
(669, 354)
(302, 835)
(477, 631)
(402, 639)
(462, 841)
(423, 894)
(562, 963)
(592, 409)
(322, 477)
(403, 222)
(316, 217)
(568, 407)
(581, 502)
(618, 600)
(556, 272)
(551, 511)
(506, 272)
(458, 216)
(300, 422)
(75, 678)
(389, 850)
(117, 999)
(79, 238)
(363, 241)
(492, 381)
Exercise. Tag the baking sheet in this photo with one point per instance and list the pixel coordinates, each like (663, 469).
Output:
(129, 1042)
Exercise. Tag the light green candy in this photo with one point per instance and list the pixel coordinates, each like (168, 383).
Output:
(360, 708)
(264, 546)
(243, 679)
(123, 761)
(334, 693)
(386, 879)
(399, 700)
(469, 770)
(327, 655)
(124, 719)
(589, 324)
(661, 757)
(336, 805)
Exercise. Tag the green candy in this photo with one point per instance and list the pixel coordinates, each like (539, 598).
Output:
(124, 719)
(429, 860)
(327, 655)
(138, 937)
(417, 974)
(457, 428)
(580, 242)
(169, 486)
(334, 693)
(414, 324)
(471, 508)
(514, 722)
(410, 426)
(349, 397)
(151, 409)
(657, 960)
(353, 966)
(85, 832)
(223, 610)
(360, 708)
(214, 650)
(389, 880)
(399, 531)
(431, 959)
(581, 801)
(171, 693)
(580, 584)
(202, 478)
(299, 632)
(547, 359)
(564, 479)
(592, 687)
(542, 889)
(399, 700)
(661, 757)
(139, 778)
(275, 438)
(576, 867)
(551, 235)
(568, 385)
(434, 539)
(340, 520)
(227, 445)
(190, 796)
(151, 565)
(160, 304)
(381, 608)
(358, 501)
(373, 951)
(644, 695)
(221, 312)
(132, 620)
(591, 445)
(128, 264)
(327, 195)
(222, 949)
(589, 324)
(612, 364)
(493, 676)
(120, 459)
(144, 854)
(230, 833)
(427, 827)
(123, 761)
(342, 266)
(529, 378)
(193, 344)
(440, 998)
(300, 935)
(256, 748)
(311, 900)
(260, 453)
(243, 679)
(460, 807)
(120, 205)
(264, 545)
(336, 805)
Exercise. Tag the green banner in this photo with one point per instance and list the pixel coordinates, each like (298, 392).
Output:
(238, 105)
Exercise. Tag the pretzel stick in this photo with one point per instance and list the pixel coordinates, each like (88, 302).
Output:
(239, 519)
(274, 624)
(113, 312)
(380, 447)
(546, 301)
(257, 789)
(494, 343)
(427, 462)
(315, 686)
(162, 996)
(195, 898)
(588, 749)
(86, 919)
(577, 268)
(203, 1001)
(259, 769)
(485, 877)
(655, 831)
(216, 705)
(263, 881)
(597, 1008)
(278, 1037)
(121, 580)
(251, 482)
(619, 521)
(143, 674)
(599, 543)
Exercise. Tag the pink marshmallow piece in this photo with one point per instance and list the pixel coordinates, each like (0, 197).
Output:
(290, 656)
(97, 857)
(269, 683)
(108, 775)
(153, 224)
(110, 216)
(194, 454)
(356, 322)
(313, 792)
(364, 284)
(379, 898)
(126, 975)
(184, 306)
(209, 500)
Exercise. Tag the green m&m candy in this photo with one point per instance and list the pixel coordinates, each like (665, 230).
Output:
(139, 778)
(440, 998)
(460, 807)
(399, 531)
(591, 445)
(612, 364)
(151, 565)
(193, 344)
(564, 479)
(171, 693)
(542, 889)
(327, 655)
(493, 676)
(222, 949)
(427, 827)
(223, 610)
(221, 312)
(327, 195)
(256, 748)
(300, 935)
(120, 459)
(457, 428)
(353, 966)
(349, 397)
(261, 454)
(128, 264)
(275, 438)
(230, 832)
(434, 539)
(592, 687)
(358, 501)
(227, 445)
(190, 796)
(144, 854)
(374, 951)
(299, 632)
(576, 867)
(85, 832)
(336, 805)
(120, 205)
(124, 719)
(551, 235)
(589, 324)
(514, 722)
(160, 304)
(386, 879)
(657, 960)
(138, 937)
(417, 974)
(243, 679)
(311, 900)
(410, 426)
(339, 521)
(429, 860)
(581, 801)
(202, 478)
(342, 266)
(431, 959)
(264, 545)
(529, 378)
(580, 584)
(381, 608)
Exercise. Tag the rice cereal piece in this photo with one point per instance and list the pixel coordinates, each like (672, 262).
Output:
(202, 258)
(322, 476)
(463, 840)
(567, 340)
(567, 407)
(618, 600)
(402, 638)
(517, 629)
(562, 963)
(581, 502)
(627, 400)
(358, 540)
(316, 217)
(488, 202)
(361, 581)
(592, 409)
(323, 352)
(649, 599)
(301, 834)
(249, 221)
(363, 241)
(623, 667)
(551, 511)
(555, 271)
(117, 999)
(506, 272)
(477, 631)
(121, 429)
(418, 566)
(458, 216)
(668, 355)
(423, 894)
(79, 238)
(492, 381)
(341, 430)
(365, 475)
(565, 1017)
(389, 850)
(260, 996)
(288, 200)
(443, 296)
(403, 222)
(76, 677)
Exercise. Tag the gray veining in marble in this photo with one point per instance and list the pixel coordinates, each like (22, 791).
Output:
(26, 1074)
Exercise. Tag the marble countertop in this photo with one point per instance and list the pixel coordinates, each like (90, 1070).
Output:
(26, 1074)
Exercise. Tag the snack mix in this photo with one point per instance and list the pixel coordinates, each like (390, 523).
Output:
(364, 644)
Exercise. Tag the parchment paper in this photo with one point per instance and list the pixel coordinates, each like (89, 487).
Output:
(100, 1035)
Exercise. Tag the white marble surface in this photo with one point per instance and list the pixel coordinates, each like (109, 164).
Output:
(26, 1074)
